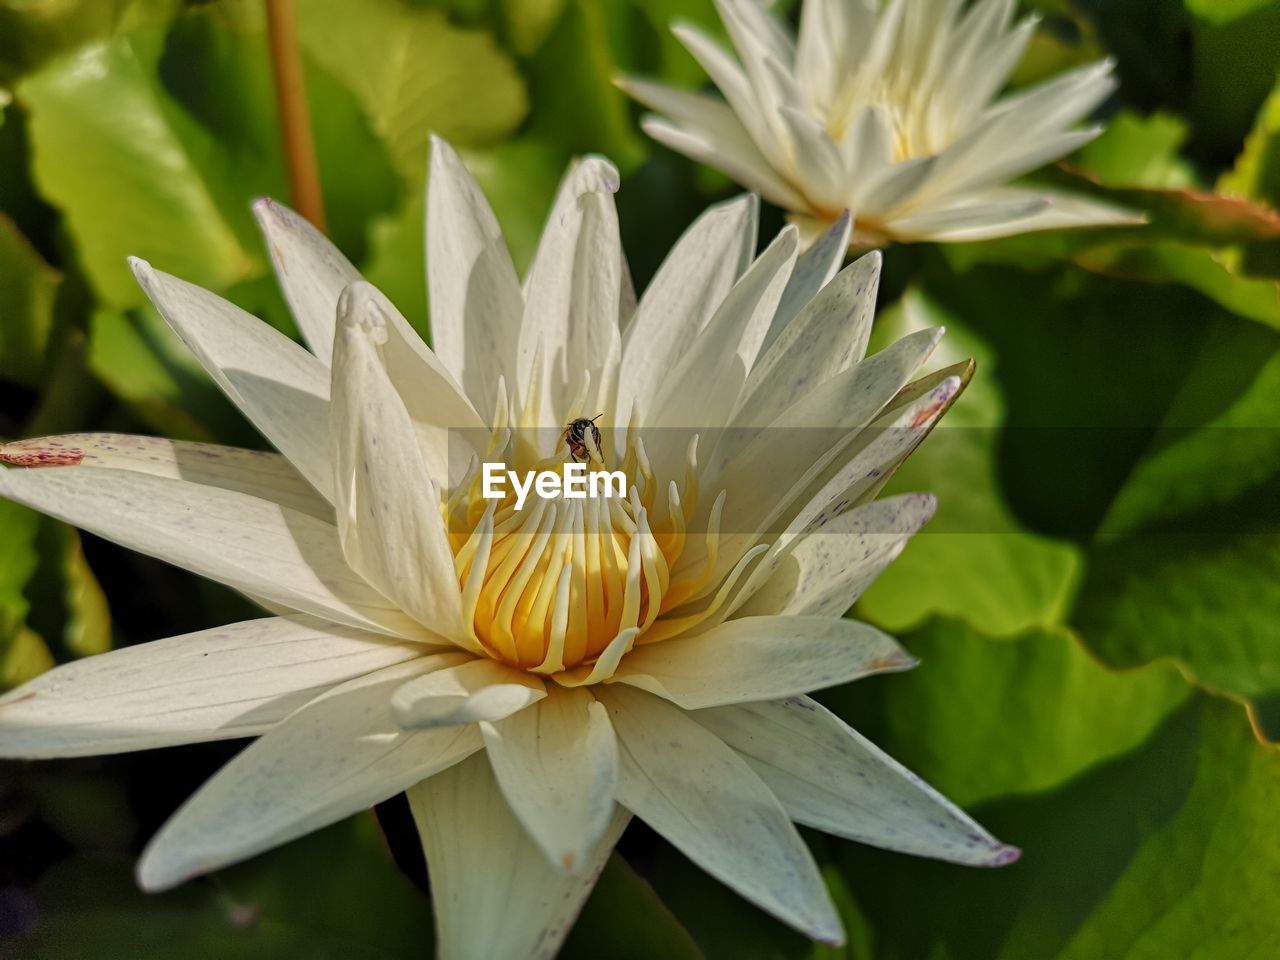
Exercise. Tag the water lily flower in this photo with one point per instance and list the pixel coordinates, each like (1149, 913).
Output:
(532, 678)
(891, 111)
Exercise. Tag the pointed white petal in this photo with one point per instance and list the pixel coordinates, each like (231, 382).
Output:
(728, 147)
(858, 474)
(255, 546)
(573, 294)
(388, 507)
(867, 146)
(232, 681)
(828, 336)
(706, 800)
(1011, 159)
(557, 765)
(475, 295)
(1049, 211)
(691, 283)
(268, 476)
(972, 215)
(311, 270)
(814, 269)
(278, 385)
(819, 165)
(830, 777)
(469, 692)
(808, 436)
(703, 387)
(741, 93)
(494, 894)
(338, 755)
(826, 572)
(760, 658)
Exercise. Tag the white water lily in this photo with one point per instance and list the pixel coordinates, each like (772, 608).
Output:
(531, 678)
(889, 110)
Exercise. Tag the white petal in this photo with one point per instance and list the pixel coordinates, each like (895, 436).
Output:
(830, 777)
(706, 800)
(251, 545)
(827, 337)
(338, 755)
(817, 160)
(826, 572)
(557, 765)
(494, 894)
(1012, 160)
(449, 429)
(480, 689)
(760, 658)
(814, 269)
(475, 295)
(968, 216)
(265, 475)
(573, 296)
(728, 147)
(741, 93)
(867, 146)
(879, 195)
(232, 681)
(703, 387)
(278, 385)
(1055, 211)
(311, 270)
(387, 505)
(863, 470)
(691, 283)
(808, 436)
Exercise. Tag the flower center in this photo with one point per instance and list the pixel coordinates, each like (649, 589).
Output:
(550, 584)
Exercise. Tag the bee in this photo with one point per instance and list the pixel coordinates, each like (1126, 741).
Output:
(575, 436)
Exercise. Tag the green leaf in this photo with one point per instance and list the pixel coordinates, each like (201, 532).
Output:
(331, 896)
(88, 618)
(1233, 63)
(1224, 11)
(110, 154)
(33, 32)
(1218, 274)
(23, 653)
(28, 288)
(143, 363)
(1170, 851)
(1220, 438)
(982, 718)
(1256, 173)
(576, 65)
(529, 21)
(1207, 599)
(216, 65)
(415, 73)
(624, 917)
(1137, 151)
(973, 559)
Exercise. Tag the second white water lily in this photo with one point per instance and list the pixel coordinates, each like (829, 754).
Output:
(535, 677)
(890, 110)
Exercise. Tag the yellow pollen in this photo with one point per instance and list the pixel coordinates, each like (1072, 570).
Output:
(550, 587)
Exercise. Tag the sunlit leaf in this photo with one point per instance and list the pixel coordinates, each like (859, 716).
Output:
(415, 73)
(108, 153)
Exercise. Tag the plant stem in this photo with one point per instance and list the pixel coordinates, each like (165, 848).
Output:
(295, 121)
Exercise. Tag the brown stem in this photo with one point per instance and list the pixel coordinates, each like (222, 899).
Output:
(295, 121)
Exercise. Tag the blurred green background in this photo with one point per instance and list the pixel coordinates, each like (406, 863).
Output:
(1097, 603)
